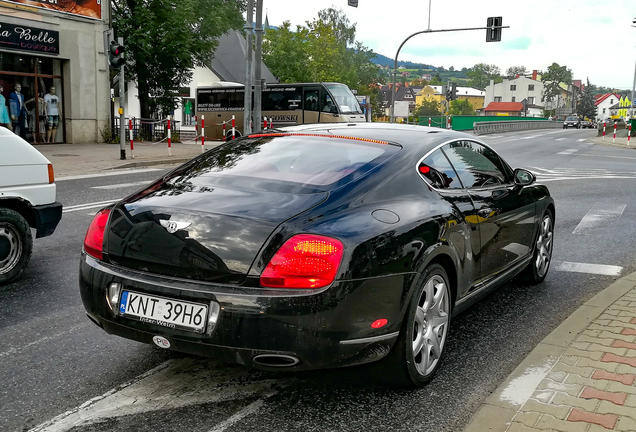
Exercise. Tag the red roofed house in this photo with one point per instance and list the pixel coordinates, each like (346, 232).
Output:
(504, 108)
(604, 103)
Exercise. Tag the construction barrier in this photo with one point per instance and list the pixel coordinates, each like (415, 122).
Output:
(614, 140)
(629, 133)
(169, 138)
(604, 124)
(202, 133)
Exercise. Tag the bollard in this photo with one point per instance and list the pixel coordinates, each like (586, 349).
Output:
(196, 129)
(614, 140)
(233, 127)
(429, 122)
(169, 138)
(629, 133)
(224, 132)
(132, 148)
(265, 123)
(202, 133)
(271, 123)
(604, 124)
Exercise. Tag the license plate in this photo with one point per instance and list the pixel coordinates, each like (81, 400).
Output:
(162, 311)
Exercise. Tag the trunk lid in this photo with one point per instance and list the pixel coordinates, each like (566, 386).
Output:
(205, 233)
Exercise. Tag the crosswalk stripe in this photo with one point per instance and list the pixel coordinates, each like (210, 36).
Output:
(600, 269)
(568, 151)
(604, 214)
(547, 175)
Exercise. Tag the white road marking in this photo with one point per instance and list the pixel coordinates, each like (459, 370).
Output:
(171, 385)
(529, 137)
(107, 174)
(582, 139)
(602, 215)
(568, 151)
(600, 269)
(250, 409)
(559, 139)
(87, 206)
(122, 185)
(546, 175)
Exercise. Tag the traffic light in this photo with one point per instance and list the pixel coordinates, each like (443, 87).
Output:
(116, 55)
(453, 91)
(494, 34)
(449, 94)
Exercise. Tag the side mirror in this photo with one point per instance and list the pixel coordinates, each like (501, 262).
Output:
(524, 177)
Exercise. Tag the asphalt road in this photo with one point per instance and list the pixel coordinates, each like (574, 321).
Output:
(53, 360)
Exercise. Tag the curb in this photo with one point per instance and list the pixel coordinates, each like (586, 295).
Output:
(501, 407)
(152, 162)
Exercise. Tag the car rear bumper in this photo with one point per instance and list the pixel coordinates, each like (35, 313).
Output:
(322, 329)
(46, 218)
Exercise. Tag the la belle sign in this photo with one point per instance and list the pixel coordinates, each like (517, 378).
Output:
(23, 38)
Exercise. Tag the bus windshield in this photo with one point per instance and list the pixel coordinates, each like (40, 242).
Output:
(346, 100)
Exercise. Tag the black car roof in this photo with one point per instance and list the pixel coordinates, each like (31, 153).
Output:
(408, 136)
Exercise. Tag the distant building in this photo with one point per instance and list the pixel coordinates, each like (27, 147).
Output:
(504, 109)
(604, 104)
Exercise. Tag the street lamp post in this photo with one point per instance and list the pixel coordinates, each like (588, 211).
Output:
(428, 31)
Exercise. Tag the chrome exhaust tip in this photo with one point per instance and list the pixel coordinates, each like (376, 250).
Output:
(275, 360)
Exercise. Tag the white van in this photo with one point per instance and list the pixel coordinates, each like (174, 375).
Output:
(27, 200)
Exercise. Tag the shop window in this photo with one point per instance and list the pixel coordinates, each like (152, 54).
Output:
(32, 96)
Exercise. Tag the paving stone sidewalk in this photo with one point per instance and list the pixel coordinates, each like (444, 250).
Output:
(581, 378)
(78, 159)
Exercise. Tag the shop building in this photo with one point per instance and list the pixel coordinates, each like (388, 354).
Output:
(53, 71)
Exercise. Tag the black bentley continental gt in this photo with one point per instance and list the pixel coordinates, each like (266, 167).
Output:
(318, 246)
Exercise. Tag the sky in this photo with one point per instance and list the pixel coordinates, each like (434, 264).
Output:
(593, 38)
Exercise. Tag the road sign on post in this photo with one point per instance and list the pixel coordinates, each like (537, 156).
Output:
(493, 33)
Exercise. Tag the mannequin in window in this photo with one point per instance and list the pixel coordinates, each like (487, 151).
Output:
(37, 118)
(51, 103)
(4, 114)
(18, 111)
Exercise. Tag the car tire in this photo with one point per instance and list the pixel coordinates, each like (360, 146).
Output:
(538, 267)
(16, 245)
(419, 349)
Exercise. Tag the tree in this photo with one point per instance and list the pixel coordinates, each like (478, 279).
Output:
(166, 39)
(461, 107)
(513, 71)
(436, 80)
(428, 108)
(586, 106)
(324, 50)
(552, 79)
(481, 74)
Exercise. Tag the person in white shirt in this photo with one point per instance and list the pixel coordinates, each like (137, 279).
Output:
(51, 102)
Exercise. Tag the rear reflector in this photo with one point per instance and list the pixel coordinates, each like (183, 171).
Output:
(51, 174)
(304, 261)
(94, 240)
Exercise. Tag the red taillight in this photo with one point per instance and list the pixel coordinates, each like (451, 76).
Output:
(304, 261)
(93, 242)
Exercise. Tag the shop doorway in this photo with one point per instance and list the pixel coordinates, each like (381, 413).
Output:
(32, 97)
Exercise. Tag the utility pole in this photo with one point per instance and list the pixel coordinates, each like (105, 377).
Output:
(122, 117)
(258, 95)
(247, 117)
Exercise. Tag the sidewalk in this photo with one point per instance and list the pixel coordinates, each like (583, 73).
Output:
(619, 142)
(77, 159)
(581, 378)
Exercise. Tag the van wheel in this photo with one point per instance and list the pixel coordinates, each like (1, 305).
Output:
(16, 245)
(418, 351)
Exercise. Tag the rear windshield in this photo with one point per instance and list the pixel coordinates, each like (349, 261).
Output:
(571, 119)
(285, 163)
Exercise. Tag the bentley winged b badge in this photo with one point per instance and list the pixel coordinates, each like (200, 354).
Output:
(174, 226)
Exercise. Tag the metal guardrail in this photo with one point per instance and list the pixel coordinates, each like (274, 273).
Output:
(481, 128)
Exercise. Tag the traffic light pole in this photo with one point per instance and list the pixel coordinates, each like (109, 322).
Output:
(427, 31)
(122, 117)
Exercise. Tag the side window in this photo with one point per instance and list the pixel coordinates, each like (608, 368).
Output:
(475, 164)
(327, 104)
(439, 172)
(311, 100)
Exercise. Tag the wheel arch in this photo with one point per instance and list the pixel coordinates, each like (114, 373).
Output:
(448, 264)
(21, 207)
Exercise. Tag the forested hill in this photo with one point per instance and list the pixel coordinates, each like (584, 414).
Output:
(385, 61)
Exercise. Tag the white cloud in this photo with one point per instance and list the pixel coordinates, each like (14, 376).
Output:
(594, 38)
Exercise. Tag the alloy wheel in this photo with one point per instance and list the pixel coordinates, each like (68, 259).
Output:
(544, 246)
(430, 325)
(10, 248)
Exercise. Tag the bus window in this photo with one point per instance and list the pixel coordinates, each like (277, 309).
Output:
(311, 100)
(281, 99)
(344, 98)
(221, 100)
(327, 105)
